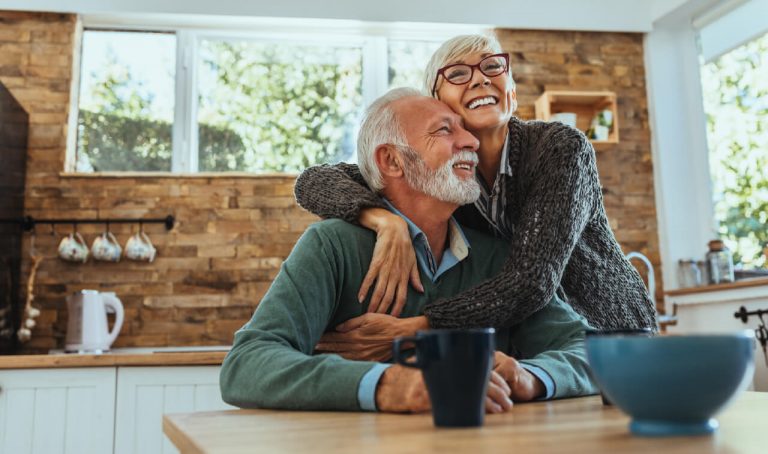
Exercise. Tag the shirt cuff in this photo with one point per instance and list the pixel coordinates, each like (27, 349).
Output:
(366, 391)
(545, 378)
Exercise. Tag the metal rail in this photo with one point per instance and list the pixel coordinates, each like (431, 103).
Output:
(28, 223)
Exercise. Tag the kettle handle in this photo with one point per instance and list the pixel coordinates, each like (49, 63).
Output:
(110, 300)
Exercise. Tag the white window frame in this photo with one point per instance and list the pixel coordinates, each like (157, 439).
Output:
(682, 180)
(372, 39)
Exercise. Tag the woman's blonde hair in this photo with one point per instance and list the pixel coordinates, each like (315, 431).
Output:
(454, 50)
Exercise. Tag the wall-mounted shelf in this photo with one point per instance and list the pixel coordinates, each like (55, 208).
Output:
(585, 104)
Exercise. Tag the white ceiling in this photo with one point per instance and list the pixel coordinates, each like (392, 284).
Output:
(732, 27)
(595, 15)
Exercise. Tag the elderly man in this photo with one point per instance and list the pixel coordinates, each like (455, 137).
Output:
(414, 151)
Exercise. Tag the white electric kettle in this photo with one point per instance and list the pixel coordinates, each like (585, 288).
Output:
(87, 325)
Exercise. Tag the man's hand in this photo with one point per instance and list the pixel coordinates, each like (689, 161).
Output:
(497, 398)
(369, 336)
(402, 390)
(524, 385)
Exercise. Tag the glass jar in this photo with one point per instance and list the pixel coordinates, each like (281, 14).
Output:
(704, 270)
(720, 263)
(690, 274)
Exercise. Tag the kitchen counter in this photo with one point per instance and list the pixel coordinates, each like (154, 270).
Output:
(157, 356)
(740, 284)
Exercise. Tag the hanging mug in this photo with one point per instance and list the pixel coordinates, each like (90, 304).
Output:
(106, 248)
(73, 248)
(140, 248)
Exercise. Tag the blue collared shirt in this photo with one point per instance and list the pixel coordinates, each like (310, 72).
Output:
(457, 250)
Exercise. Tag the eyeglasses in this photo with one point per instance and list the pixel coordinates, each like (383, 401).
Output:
(461, 73)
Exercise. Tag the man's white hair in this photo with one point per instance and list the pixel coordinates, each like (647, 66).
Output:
(454, 50)
(380, 126)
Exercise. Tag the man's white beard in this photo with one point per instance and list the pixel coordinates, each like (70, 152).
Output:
(442, 183)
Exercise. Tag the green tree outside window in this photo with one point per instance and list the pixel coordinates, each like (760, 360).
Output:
(736, 103)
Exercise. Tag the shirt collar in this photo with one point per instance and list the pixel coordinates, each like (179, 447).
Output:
(504, 169)
(457, 241)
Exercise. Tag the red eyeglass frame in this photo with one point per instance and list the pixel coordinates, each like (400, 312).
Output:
(441, 71)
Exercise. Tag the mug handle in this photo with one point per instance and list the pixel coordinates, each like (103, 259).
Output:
(152, 248)
(146, 239)
(79, 238)
(400, 357)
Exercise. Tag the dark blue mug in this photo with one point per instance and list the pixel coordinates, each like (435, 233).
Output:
(456, 365)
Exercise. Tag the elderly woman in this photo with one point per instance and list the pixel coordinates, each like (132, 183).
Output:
(540, 191)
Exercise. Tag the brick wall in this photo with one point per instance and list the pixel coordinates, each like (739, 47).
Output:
(233, 232)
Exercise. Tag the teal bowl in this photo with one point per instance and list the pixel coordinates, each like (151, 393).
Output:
(671, 385)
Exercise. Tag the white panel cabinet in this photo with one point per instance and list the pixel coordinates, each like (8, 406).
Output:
(144, 394)
(100, 410)
(51, 411)
(713, 312)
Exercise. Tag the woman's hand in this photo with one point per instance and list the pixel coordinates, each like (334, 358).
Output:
(393, 264)
(524, 386)
(369, 336)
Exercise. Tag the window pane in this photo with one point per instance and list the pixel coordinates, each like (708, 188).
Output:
(736, 103)
(126, 101)
(276, 107)
(407, 60)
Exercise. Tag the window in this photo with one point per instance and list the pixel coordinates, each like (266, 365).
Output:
(407, 60)
(736, 104)
(126, 105)
(276, 107)
(210, 99)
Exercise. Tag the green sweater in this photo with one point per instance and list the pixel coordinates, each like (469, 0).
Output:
(271, 364)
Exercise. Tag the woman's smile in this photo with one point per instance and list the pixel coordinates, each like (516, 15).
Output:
(482, 101)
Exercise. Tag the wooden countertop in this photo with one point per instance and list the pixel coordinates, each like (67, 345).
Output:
(581, 425)
(193, 358)
(744, 283)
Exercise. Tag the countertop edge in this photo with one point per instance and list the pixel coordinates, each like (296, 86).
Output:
(211, 358)
(741, 284)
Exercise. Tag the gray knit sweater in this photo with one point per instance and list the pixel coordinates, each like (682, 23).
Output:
(560, 235)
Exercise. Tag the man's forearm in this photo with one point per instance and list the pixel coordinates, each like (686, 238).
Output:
(262, 371)
(544, 385)
(555, 343)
